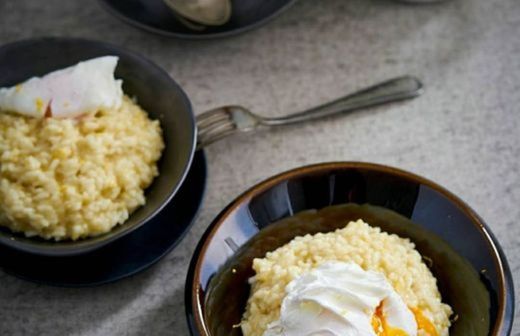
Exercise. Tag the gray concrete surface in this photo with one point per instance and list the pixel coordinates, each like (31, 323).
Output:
(463, 133)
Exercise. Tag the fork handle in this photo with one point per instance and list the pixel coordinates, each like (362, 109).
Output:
(390, 91)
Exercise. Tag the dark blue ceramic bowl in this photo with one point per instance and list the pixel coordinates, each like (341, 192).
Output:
(471, 269)
(154, 90)
(156, 17)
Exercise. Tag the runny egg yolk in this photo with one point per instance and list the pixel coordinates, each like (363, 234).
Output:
(382, 328)
(423, 323)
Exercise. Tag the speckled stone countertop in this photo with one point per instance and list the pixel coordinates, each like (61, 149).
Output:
(463, 133)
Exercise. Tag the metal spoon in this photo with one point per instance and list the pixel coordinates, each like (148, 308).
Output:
(206, 12)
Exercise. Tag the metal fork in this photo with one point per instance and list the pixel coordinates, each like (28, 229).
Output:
(224, 121)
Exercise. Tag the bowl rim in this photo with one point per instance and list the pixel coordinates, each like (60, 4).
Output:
(72, 250)
(196, 37)
(194, 311)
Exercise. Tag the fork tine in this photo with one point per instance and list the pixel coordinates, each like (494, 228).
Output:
(213, 119)
(214, 125)
(223, 121)
(211, 134)
(211, 113)
(205, 142)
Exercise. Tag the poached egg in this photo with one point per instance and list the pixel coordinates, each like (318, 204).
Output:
(71, 92)
(342, 299)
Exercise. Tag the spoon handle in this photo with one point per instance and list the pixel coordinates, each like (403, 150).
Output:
(390, 91)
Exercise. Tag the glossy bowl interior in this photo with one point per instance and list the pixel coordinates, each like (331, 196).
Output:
(154, 90)
(472, 272)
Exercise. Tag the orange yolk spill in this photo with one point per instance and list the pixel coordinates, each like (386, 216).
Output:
(424, 323)
(381, 327)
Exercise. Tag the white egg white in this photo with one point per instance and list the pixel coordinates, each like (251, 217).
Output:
(67, 93)
(339, 299)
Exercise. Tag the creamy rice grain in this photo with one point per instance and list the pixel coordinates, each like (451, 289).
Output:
(358, 242)
(68, 179)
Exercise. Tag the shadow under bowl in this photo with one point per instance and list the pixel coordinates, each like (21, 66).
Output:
(471, 269)
(156, 92)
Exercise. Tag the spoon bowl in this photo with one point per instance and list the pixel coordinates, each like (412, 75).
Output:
(206, 12)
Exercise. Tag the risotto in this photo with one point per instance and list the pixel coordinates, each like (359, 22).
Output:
(69, 179)
(370, 248)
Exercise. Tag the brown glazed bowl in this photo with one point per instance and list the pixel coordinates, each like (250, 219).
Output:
(471, 269)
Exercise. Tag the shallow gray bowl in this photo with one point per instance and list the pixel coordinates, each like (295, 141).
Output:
(155, 91)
